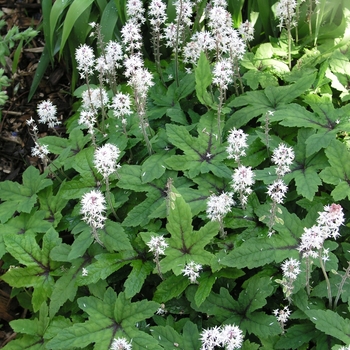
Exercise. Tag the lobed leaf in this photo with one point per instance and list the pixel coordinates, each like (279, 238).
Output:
(331, 323)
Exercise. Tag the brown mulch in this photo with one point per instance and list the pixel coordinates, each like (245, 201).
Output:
(15, 140)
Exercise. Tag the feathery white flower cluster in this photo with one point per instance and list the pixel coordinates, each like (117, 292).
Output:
(110, 60)
(40, 151)
(328, 224)
(227, 39)
(237, 143)
(120, 344)
(93, 206)
(192, 271)
(121, 106)
(246, 30)
(94, 99)
(290, 271)
(132, 37)
(105, 159)
(157, 245)
(85, 58)
(228, 336)
(221, 40)
(243, 177)
(157, 14)
(223, 73)
(282, 316)
(285, 12)
(283, 157)
(173, 31)
(242, 180)
(47, 113)
(277, 191)
(219, 206)
(135, 10)
(291, 268)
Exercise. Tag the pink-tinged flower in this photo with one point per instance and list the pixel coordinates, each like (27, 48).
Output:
(121, 105)
(291, 268)
(93, 206)
(277, 191)
(246, 30)
(105, 159)
(131, 34)
(285, 12)
(282, 315)
(231, 337)
(135, 10)
(330, 220)
(328, 224)
(157, 14)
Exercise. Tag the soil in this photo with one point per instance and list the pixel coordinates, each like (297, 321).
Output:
(15, 139)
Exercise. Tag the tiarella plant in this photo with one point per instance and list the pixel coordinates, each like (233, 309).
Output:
(199, 198)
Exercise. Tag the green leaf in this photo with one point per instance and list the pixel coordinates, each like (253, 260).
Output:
(296, 336)
(206, 282)
(130, 178)
(109, 15)
(114, 237)
(26, 342)
(331, 323)
(258, 251)
(81, 243)
(167, 337)
(32, 222)
(203, 80)
(137, 277)
(76, 8)
(25, 195)
(154, 166)
(254, 296)
(170, 288)
(306, 167)
(184, 244)
(127, 313)
(37, 274)
(203, 154)
(113, 317)
(191, 336)
(260, 324)
(105, 265)
(338, 173)
(221, 305)
(273, 98)
(65, 287)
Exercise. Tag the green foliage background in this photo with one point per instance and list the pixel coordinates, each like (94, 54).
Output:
(45, 246)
